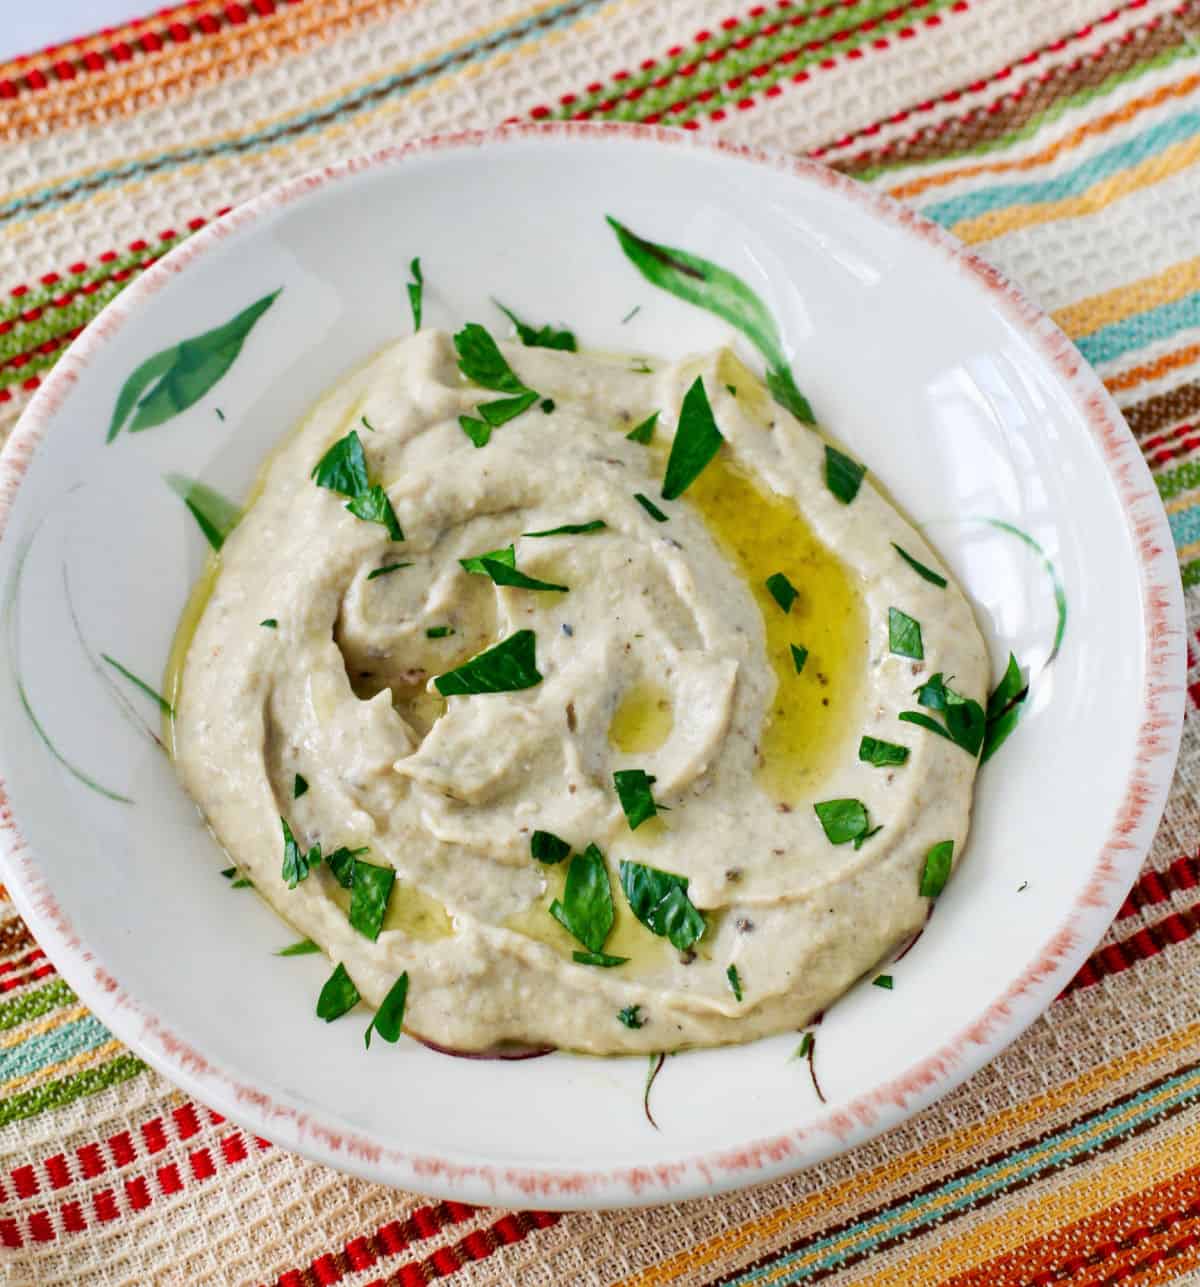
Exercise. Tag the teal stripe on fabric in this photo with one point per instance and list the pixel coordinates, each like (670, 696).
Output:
(1073, 182)
(1185, 525)
(53, 1047)
(931, 1207)
(370, 95)
(1155, 324)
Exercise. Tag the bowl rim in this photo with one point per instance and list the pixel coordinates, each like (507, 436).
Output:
(842, 1126)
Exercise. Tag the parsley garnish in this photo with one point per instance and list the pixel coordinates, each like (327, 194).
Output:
(873, 750)
(965, 719)
(735, 981)
(271, 623)
(439, 632)
(367, 424)
(644, 433)
(598, 958)
(660, 901)
(299, 787)
(546, 847)
(1004, 708)
(341, 865)
(539, 337)
(369, 896)
(501, 566)
(236, 879)
(571, 529)
(586, 908)
(843, 476)
(415, 292)
(782, 590)
(633, 790)
(507, 668)
(343, 469)
(304, 947)
(936, 870)
(904, 635)
(883, 981)
(919, 568)
(548, 405)
(337, 996)
(389, 567)
(296, 863)
(631, 1016)
(388, 1020)
(650, 507)
(627, 318)
(480, 360)
(697, 441)
(844, 821)
(805, 1046)
(799, 657)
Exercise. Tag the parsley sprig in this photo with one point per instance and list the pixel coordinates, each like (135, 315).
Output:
(480, 360)
(343, 469)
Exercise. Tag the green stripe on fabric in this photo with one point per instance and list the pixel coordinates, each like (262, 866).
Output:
(1174, 482)
(706, 76)
(57, 1094)
(33, 1005)
(1191, 574)
(303, 124)
(1056, 109)
(41, 296)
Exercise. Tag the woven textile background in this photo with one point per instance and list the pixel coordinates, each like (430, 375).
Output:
(1062, 137)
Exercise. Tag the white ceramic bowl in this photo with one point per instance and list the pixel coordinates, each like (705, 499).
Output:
(964, 399)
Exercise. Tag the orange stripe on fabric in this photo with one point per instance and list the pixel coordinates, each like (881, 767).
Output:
(1120, 1234)
(1089, 315)
(1154, 169)
(127, 88)
(1058, 1204)
(862, 1187)
(1153, 370)
(1090, 129)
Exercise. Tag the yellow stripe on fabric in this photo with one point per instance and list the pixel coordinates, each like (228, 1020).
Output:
(1090, 129)
(884, 1227)
(858, 1188)
(85, 1059)
(1154, 169)
(1091, 314)
(267, 122)
(352, 127)
(1191, 551)
(47, 1023)
(1114, 1180)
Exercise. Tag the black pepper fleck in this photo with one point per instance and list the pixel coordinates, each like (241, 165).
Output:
(744, 925)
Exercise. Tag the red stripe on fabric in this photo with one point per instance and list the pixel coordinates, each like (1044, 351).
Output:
(953, 95)
(507, 1231)
(1155, 887)
(10, 1235)
(57, 1171)
(177, 31)
(42, 972)
(1145, 943)
(34, 954)
(24, 1181)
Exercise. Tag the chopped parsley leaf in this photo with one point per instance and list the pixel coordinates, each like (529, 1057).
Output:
(337, 996)
(782, 590)
(439, 632)
(799, 657)
(373, 506)
(571, 529)
(415, 292)
(644, 433)
(965, 721)
(873, 750)
(343, 468)
(598, 958)
(904, 635)
(383, 571)
(586, 908)
(369, 896)
(539, 337)
(631, 1016)
(271, 623)
(920, 569)
(883, 981)
(660, 901)
(388, 1020)
(548, 848)
(843, 476)
(633, 790)
(299, 787)
(650, 507)
(697, 440)
(548, 405)
(735, 981)
(508, 556)
(304, 947)
(844, 821)
(508, 667)
(936, 871)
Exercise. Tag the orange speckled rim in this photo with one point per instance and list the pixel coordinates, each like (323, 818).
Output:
(842, 1126)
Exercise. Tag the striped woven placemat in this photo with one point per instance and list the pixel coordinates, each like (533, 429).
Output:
(1060, 136)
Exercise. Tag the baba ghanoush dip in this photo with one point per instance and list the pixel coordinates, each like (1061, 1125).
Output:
(579, 701)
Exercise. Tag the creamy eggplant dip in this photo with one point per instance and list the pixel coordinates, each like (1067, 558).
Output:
(601, 703)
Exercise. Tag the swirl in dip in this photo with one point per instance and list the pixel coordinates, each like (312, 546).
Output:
(667, 653)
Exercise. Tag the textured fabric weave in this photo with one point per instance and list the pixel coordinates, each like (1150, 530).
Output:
(1062, 137)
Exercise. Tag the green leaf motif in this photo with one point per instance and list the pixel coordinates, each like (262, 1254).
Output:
(337, 996)
(697, 440)
(216, 516)
(163, 704)
(416, 290)
(660, 901)
(701, 282)
(539, 337)
(304, 947)
(508, 667)
(388, 1020)
(586, 908)
(173, 380)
